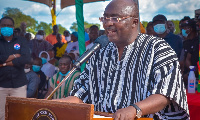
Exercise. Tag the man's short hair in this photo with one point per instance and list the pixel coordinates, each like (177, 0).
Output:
(159, 17)
(7, 17)
(65, 57)
(93, 26)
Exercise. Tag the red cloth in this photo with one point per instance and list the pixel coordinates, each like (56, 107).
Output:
(194, 105)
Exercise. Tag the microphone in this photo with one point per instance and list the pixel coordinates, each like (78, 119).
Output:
(100, 42)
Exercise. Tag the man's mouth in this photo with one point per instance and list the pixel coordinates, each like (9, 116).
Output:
(111, 32)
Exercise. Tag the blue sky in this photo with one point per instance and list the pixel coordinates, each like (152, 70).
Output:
(172, 9)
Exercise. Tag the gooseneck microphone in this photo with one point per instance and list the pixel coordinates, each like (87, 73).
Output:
(100, 42)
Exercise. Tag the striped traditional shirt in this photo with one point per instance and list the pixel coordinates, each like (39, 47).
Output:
(66, 87)
(148, 66)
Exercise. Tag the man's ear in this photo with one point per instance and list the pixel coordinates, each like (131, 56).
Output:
(135, 22)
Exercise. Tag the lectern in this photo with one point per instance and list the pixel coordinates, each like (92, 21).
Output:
(41, 109)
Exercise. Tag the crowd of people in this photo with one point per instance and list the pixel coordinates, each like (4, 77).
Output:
(136, 73)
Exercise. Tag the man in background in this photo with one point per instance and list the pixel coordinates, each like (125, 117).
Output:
(93, 34)
(52, 37)
(14, 54)
(171, 26)
(161, 30)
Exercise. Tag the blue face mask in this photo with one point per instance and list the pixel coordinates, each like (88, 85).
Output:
(7, 31)
(36, 68)
(159, 28)
(64, 74)
(184, 33)
(44, 60)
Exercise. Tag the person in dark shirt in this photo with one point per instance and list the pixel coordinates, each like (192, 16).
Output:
(191, 47)
(57, 46)
(14, 54)
(161, 30)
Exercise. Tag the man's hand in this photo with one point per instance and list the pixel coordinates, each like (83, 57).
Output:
(128, 113)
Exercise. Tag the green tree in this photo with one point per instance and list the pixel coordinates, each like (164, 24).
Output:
(44, 26)
(61, 29)
(74, 26)
(144, 23)
(19, 17)
(176, 24)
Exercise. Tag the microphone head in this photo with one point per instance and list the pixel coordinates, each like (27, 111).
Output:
(102, 40)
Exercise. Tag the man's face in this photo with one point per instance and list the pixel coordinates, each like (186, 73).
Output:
(118, 32)
(27, 66)
(73, 38)
(58, 37)
(37, 62)
(150, 30)
(44, 55)
(64, 65)
(171, 26)
(6, 23)
(93, 34)
(55, 29)
(23, 26)
(66, 33)
(160, 29)
(51, 54)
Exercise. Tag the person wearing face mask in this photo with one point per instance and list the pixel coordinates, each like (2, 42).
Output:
(47, 68)
(39, 44)
(65, 65)
(67, 35)
(36, 67)
(14, 54)
(33, 81)
(161, 30)
(190, 46)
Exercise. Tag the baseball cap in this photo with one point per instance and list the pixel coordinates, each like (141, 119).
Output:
(191, 23)
(159, 17)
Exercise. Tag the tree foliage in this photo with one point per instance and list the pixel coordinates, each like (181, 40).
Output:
(32, 25)
(19, 17)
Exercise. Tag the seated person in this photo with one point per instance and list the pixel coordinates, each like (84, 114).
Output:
(36, 67)
(33, 81)
(47, 68)
(65, 65)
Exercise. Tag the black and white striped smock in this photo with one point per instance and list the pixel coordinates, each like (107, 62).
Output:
(148, 66)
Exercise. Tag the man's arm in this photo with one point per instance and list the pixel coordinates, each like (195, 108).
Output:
(71, 99)
(12, 57)
(150, 105)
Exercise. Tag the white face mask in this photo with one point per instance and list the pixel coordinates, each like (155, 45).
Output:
(68, 39)
(27, 70)
(39, 37)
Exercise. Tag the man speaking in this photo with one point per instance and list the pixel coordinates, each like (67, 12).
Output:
(135, 74)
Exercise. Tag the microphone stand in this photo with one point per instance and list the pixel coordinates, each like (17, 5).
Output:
(60, 84)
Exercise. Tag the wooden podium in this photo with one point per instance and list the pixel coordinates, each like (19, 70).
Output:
(41, 109)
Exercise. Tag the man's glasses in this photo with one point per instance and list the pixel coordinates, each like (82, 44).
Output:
(113, 19)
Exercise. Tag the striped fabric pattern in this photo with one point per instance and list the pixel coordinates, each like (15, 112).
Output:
(148, 66)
